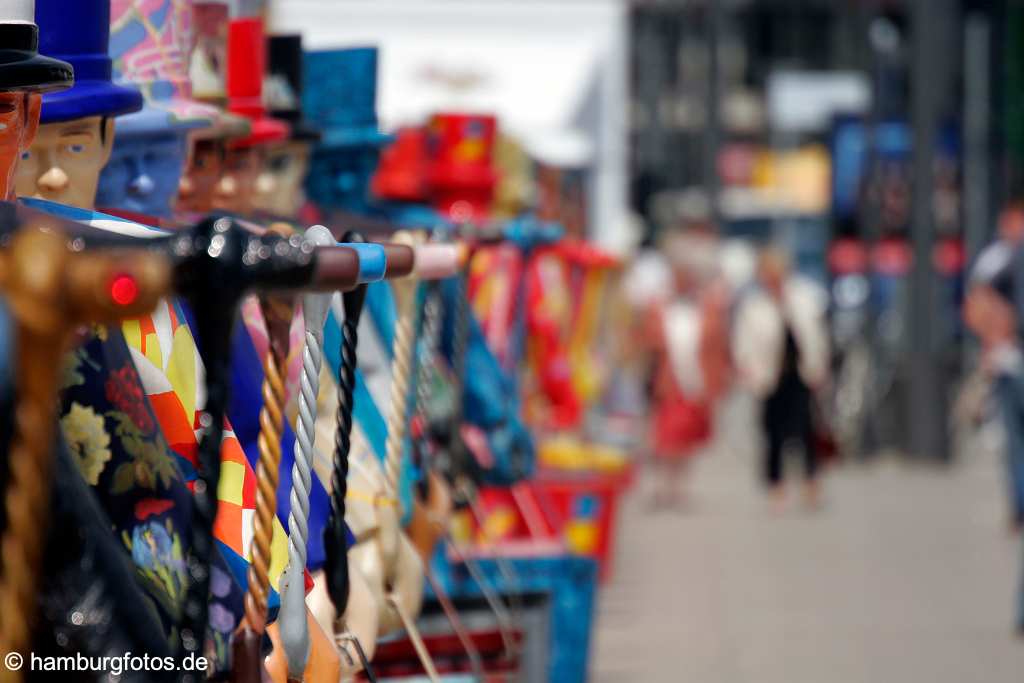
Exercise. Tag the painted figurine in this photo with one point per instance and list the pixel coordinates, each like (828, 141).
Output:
(280, 187)
(245, 157)
(207, 66)
(76, 134)
(148, 42)
(118, 392)
(461, 171)
(71, 559)
(24, 76)
(399, 184)
(402, 173)
(341, 98)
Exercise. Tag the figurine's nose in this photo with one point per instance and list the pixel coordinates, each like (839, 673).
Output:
(142, 186)
(228, 186)
(185, 186)
(54, 180)
(266, 184)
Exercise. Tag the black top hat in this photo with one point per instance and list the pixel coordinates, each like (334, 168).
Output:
(283, 88)
(22, 68)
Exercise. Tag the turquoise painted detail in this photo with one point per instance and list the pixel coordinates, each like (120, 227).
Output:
(373, 262)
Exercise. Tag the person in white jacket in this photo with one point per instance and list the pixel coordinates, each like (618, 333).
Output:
(781, 353)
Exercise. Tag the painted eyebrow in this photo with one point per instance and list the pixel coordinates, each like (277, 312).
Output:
(78, 129)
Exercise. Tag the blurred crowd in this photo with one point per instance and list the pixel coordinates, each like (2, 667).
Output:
(711, 317)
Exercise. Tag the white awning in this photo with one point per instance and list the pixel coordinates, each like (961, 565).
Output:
(530, 63)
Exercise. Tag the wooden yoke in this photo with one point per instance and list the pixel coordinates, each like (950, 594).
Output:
(52, 291)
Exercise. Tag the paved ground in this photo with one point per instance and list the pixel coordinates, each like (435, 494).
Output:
(907, 575)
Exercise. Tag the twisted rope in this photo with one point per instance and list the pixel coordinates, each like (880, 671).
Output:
(294, 626)
(428, 349)
(401, 376)
(335, 542)
(302, 478)
(269, 444)
(27, 507)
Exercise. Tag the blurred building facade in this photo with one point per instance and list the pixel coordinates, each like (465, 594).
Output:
(804, 122)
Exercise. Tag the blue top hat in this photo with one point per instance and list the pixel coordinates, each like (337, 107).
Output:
(340, 96)
(78, 32)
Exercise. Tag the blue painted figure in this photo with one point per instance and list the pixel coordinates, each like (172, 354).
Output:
(76, 129)
(341, 99)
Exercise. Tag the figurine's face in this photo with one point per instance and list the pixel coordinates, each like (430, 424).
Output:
(64, 163)
(19, 120)
(237, 185)
(143, 173)
(195, 191)
(279, 187)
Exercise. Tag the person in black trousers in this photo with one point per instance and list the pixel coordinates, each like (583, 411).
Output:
(780, 349)
(786, 416)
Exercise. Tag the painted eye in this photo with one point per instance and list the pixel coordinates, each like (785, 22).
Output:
(76, 149)
(26, 155)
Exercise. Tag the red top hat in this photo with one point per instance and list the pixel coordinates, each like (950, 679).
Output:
(247, 58)
(461, 169)
(402, 172)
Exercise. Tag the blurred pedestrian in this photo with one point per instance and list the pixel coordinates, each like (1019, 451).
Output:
(781, 352)
(992, 315)
(993, 294)
(687, 334)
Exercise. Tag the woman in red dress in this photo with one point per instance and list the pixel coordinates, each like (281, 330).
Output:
(691, 369)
